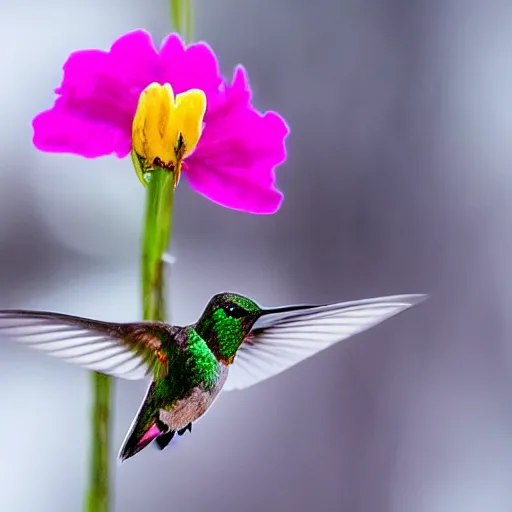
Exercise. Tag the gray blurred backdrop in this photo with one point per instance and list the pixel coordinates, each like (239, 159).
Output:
(398, 180)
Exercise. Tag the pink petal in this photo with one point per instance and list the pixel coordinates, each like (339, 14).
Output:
(61, 130)
(234, 162)
(193, 67)
(98, 97)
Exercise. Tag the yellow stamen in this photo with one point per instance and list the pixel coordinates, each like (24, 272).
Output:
(166, 129)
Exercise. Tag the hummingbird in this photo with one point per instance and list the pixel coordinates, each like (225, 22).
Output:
(234, 344)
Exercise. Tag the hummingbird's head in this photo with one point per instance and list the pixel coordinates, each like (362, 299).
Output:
(225, 323)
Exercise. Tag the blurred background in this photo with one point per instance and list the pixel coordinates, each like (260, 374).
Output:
(398, 180)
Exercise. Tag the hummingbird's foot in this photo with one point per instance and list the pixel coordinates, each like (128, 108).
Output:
(183, 430)
(164, 439)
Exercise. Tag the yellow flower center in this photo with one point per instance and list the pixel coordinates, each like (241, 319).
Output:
(166, 129)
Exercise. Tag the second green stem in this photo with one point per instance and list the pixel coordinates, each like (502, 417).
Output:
(98, 497)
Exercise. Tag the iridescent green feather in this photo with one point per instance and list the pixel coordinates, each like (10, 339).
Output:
(249, 305)
(202, 363)
(228, 332)
(187, 368)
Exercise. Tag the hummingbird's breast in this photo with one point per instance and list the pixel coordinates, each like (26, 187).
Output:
(188, 409)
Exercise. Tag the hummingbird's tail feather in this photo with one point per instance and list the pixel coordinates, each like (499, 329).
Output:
(143, 429)
(135, 442)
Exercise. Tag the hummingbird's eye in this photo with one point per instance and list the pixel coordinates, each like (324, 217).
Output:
(235, 311)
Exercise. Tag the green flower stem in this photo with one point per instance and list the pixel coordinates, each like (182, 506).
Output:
(155, 241)
(98, 493)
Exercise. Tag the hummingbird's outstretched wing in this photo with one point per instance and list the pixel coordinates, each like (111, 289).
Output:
(280, 340)
(129, 351)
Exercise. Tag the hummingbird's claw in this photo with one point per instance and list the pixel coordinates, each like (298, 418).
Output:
(164, 439)
(183, 430)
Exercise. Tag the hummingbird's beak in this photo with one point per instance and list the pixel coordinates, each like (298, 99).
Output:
(287, 309)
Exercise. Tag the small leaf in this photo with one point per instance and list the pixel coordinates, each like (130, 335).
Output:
(140, 168)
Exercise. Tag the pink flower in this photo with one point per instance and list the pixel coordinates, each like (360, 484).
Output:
(118, 102)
